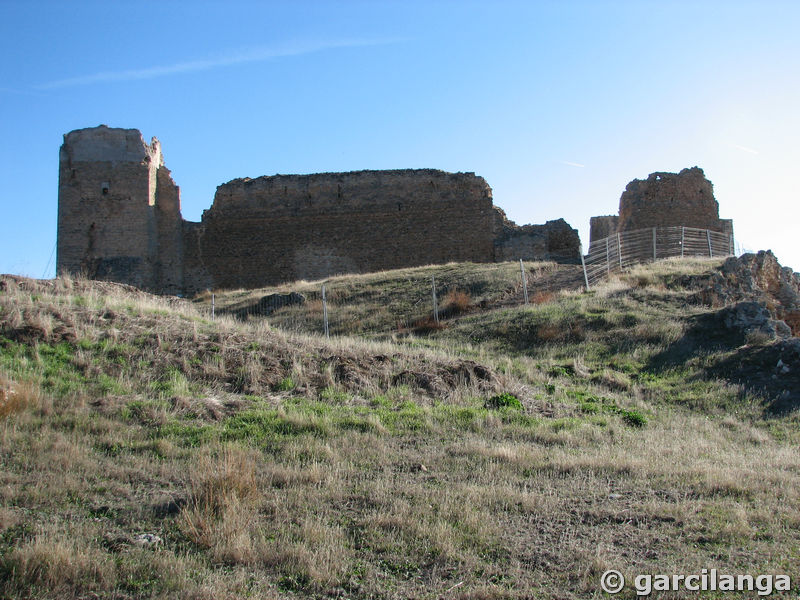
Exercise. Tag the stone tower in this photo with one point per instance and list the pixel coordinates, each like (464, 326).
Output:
(118, 210)
(664, 200)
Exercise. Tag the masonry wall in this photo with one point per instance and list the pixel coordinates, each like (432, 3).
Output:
(120, 219)
(555, 240)
(286, 227)
(168, 265)
(603, 227)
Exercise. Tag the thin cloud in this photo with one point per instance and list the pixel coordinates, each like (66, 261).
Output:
(745, 149)
(572, 164)
(254, 55)
(5, 90)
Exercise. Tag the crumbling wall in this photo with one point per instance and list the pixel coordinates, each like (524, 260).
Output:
(555, 240)
(664, 200)
(105, 210)
(285, 227)
(120, 219)
(603, 227)
(168, 265)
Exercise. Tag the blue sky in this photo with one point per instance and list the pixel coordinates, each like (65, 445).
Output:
(557, 104)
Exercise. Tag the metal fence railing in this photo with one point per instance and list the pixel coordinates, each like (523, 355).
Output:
(628, 248)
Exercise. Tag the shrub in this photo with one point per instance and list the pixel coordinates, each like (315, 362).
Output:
(427, 325)
(456, 302)
(633, 418)
(286, 384)
(504, 400)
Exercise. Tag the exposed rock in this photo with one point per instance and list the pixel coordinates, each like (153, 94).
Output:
(147, 540)
(269, 304)
(771, 370)
(753, 317)
(752, 278)
(762, 275)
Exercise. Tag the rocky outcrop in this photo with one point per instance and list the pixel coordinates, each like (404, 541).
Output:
(750, 318)
(753, 279)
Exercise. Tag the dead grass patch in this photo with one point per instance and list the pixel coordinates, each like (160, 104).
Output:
(542, 297)
(224, 498)
(17, 397)
(58, 562)
(456, 302)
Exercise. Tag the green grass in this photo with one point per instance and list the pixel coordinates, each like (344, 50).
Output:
(281, 465)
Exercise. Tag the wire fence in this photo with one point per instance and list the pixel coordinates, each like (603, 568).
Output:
(408, 300)
(429, 298)
(623, 250)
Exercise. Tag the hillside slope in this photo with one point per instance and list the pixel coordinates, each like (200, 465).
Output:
(513, 451)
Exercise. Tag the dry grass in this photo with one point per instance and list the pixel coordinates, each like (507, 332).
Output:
(144, 417)
(456, 302)
(224, 499)
(18, 397)
(542, 297)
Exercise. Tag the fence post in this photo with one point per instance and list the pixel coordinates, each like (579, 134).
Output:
(435, 306)
(708, 237)
(608, 260)
(213, 307)
(619, 250)
(524, 281)
(683, 239)
(583, 264)
(325, 312)
(655, 252)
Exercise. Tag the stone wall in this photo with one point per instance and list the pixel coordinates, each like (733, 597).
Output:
(664, 200)
(555, 240)
(603, 227)
(119, 219)
(286, 227)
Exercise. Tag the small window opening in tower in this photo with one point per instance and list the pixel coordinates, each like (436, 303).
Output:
(104, 188)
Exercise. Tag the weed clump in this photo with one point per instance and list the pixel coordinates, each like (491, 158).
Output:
(456, 302)
(504, 400)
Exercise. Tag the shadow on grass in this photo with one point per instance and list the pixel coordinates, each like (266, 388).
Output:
(770, 371)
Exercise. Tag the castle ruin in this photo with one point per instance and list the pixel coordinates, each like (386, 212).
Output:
(664, 200)
(119, 219)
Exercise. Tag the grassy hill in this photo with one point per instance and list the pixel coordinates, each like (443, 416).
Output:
(508, 452)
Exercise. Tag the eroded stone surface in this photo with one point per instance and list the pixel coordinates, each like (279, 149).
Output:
(752, 278)
(120, 220)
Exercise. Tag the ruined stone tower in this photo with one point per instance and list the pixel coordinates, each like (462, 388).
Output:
(118, 210)
(664, 200)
